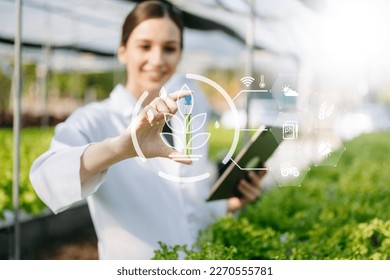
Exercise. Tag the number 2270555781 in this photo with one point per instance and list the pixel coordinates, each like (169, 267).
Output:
(240, 270)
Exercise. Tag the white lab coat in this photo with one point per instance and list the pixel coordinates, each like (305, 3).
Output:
(131, 206)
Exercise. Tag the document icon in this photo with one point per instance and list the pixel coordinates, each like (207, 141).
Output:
(290, 130)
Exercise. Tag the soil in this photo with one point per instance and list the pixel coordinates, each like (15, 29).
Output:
(69, 235)
(81, 246)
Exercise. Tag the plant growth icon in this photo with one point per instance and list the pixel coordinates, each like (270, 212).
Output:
(325, 110)
(184, 133)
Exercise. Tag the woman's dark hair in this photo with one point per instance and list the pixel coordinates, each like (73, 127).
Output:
(147, 10)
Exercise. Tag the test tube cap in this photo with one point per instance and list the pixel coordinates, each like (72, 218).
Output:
(188, 100)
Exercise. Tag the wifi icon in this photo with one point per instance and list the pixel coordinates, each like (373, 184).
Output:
(247, 81)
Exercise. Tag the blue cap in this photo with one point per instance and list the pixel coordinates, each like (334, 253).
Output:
(188, 100)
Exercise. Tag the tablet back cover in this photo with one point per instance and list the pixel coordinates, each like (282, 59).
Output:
(255, 153)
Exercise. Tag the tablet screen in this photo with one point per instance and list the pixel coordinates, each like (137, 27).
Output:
(251, 157)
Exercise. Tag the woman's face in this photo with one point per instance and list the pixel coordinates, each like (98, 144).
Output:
(151, 55)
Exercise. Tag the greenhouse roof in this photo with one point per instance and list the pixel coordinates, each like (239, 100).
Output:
(91, 28)
(343, 36)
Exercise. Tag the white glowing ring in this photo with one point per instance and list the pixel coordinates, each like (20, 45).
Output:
(228, 156)
(233, 147)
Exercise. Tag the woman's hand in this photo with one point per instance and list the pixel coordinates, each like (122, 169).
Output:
(148, 126)
(250, 190)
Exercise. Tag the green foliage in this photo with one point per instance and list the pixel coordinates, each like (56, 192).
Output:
(72, 84)
(251, 242)
(383, 96)
(33, 143)
(5, 90)
(28, 74)
(338, 213)
(77, 84)
(208, 251)
(220, 141)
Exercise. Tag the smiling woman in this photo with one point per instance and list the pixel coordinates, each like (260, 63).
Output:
(151, 45)
(151, 55)
(93, 156)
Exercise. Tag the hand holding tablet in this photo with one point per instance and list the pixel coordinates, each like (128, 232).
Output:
(252, 157)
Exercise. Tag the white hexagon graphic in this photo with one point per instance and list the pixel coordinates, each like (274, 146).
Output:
(325, 108)
(293, 126)
(263, 109)
(288, 89)
(289, 166)
(327, 148)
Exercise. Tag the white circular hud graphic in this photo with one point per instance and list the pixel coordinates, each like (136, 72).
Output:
(228, 156)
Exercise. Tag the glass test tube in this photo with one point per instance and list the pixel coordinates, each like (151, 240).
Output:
(187, 122)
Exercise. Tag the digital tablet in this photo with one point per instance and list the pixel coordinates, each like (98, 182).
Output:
(253, 156)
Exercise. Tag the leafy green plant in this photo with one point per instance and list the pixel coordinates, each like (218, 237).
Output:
(208, 251)
(338, 213)
(34, 141)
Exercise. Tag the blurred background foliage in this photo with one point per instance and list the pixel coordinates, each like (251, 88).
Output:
(34, 142)
(60, 84)
(78, 88)
(338, 213)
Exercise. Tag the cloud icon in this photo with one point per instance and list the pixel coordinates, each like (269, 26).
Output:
(287, 91)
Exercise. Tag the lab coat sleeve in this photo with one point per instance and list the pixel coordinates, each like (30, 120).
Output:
(55, 175)
(218, 208)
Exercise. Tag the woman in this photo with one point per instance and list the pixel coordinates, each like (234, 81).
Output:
(92, 155)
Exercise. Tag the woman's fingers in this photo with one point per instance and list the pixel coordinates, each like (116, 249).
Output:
(254, 177)
(155, 111)
(250, 191)
(161, 108)
(170, 103)
(154, 114)
(178, 157)
(261, 173)
(165, 104)
(248, 194)
(179, 94)
(151, 114)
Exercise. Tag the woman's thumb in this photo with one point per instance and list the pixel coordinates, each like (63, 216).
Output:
(179, 157)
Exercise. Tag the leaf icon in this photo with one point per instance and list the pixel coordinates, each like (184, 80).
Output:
(202, 137)
(202, 117)
(168, 117)
(176, 139)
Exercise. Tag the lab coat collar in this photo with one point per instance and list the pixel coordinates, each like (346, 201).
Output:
(122, 101)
